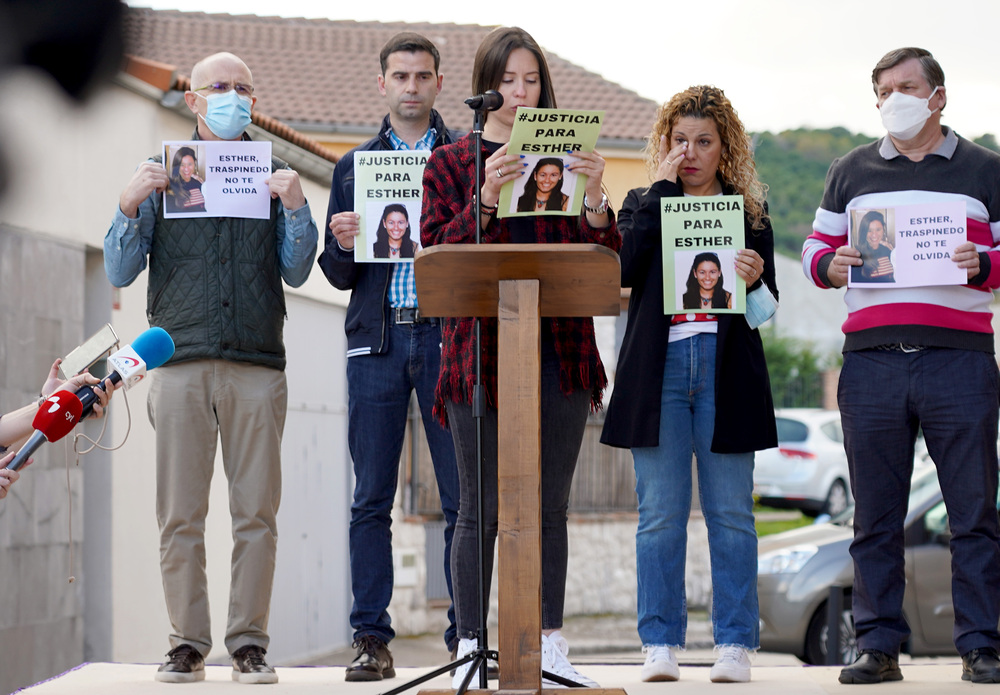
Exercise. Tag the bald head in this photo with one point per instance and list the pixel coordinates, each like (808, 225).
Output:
(209, 69)
(215, 75)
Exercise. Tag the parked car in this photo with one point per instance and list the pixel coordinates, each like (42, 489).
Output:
(796, 570)
(808, 468)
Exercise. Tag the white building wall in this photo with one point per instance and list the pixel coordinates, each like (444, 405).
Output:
(67, 167)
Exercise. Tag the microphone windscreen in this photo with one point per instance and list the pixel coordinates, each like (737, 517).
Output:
(57, 415)
(154, 347)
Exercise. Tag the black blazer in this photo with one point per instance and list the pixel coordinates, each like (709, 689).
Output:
(744, 409)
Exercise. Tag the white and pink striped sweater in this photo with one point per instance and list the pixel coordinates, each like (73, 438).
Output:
(877, 176)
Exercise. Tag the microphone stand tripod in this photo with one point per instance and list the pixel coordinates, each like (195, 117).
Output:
(479, 656)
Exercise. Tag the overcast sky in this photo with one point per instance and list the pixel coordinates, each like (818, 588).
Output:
(783, 63)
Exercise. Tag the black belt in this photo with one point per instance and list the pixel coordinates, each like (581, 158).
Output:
(899, 347)
(408, 314)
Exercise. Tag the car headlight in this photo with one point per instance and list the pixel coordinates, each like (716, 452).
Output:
(786, 560)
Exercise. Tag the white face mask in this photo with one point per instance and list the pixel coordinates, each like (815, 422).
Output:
(904, 115)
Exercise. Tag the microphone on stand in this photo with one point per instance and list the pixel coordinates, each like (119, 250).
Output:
(55, 418)
(489, 101)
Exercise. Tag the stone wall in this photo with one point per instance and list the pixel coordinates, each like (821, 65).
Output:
(601, 577)
(41, 614)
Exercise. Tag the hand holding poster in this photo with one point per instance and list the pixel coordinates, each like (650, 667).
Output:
(211, 178)
(388, 191)
(701, 236)
(543, 137)
(907, 245)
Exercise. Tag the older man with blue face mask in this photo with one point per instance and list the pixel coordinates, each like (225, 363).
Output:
(918, 357)
(226, 378)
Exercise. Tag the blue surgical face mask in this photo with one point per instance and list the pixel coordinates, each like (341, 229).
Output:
(761, 305)
(228, 114)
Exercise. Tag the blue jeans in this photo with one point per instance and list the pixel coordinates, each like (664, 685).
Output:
(953, 395)
(379, 389)
(725, 487)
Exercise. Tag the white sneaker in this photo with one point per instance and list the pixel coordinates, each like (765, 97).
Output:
(733, 665)
(465, 646)
(661, 664)
(555, 650)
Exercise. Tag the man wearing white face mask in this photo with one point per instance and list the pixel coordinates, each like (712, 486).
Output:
(918, 357)
(215, 285)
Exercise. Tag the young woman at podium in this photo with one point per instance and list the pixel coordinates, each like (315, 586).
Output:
(572, 376)
(695, 382)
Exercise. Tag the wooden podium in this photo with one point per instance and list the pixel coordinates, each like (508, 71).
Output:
(519, 283)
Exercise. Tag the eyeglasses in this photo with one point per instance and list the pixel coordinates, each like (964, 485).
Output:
(243, 90)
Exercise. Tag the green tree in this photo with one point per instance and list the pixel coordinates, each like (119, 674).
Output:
(796, 371)
(793, 163)
(988, 141)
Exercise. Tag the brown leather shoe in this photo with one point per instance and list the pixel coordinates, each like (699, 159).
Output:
(373, 662)
(981, 666)
(872, 666)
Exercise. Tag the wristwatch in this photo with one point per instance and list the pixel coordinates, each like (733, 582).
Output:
(601, 208)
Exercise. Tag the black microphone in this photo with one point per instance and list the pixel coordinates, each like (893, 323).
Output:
(490, 101)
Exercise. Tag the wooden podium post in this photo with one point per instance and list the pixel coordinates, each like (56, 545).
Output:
(519, 284)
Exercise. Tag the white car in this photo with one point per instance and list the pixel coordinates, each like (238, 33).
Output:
(808, 469)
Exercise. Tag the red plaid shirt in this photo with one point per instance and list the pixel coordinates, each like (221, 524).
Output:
(449, 218)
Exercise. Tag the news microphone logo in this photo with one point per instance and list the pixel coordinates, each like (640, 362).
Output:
(55, 402)
(129, 365)
(58, 415)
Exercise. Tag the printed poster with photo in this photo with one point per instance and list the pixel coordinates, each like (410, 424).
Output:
(388, 194)
(701, 236)
(907, 245)
(543, 137)
(210, 178)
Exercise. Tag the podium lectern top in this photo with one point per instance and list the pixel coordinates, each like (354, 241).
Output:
(456, 280)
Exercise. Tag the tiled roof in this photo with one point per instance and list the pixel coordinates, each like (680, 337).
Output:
(163, 76)
(319, 73)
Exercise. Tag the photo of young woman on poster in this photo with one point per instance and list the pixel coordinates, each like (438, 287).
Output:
(872, 240)
(392, 238)
(543, 190)
(184, 193)
(704, 288)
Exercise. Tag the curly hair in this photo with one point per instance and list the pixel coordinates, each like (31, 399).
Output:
(736, 165)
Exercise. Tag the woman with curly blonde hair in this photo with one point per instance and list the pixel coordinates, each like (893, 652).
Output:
(736, 167)
(694, 382)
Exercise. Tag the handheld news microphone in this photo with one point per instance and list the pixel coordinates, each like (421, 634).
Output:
(151, 349)
(489, 101)
(55, 418)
